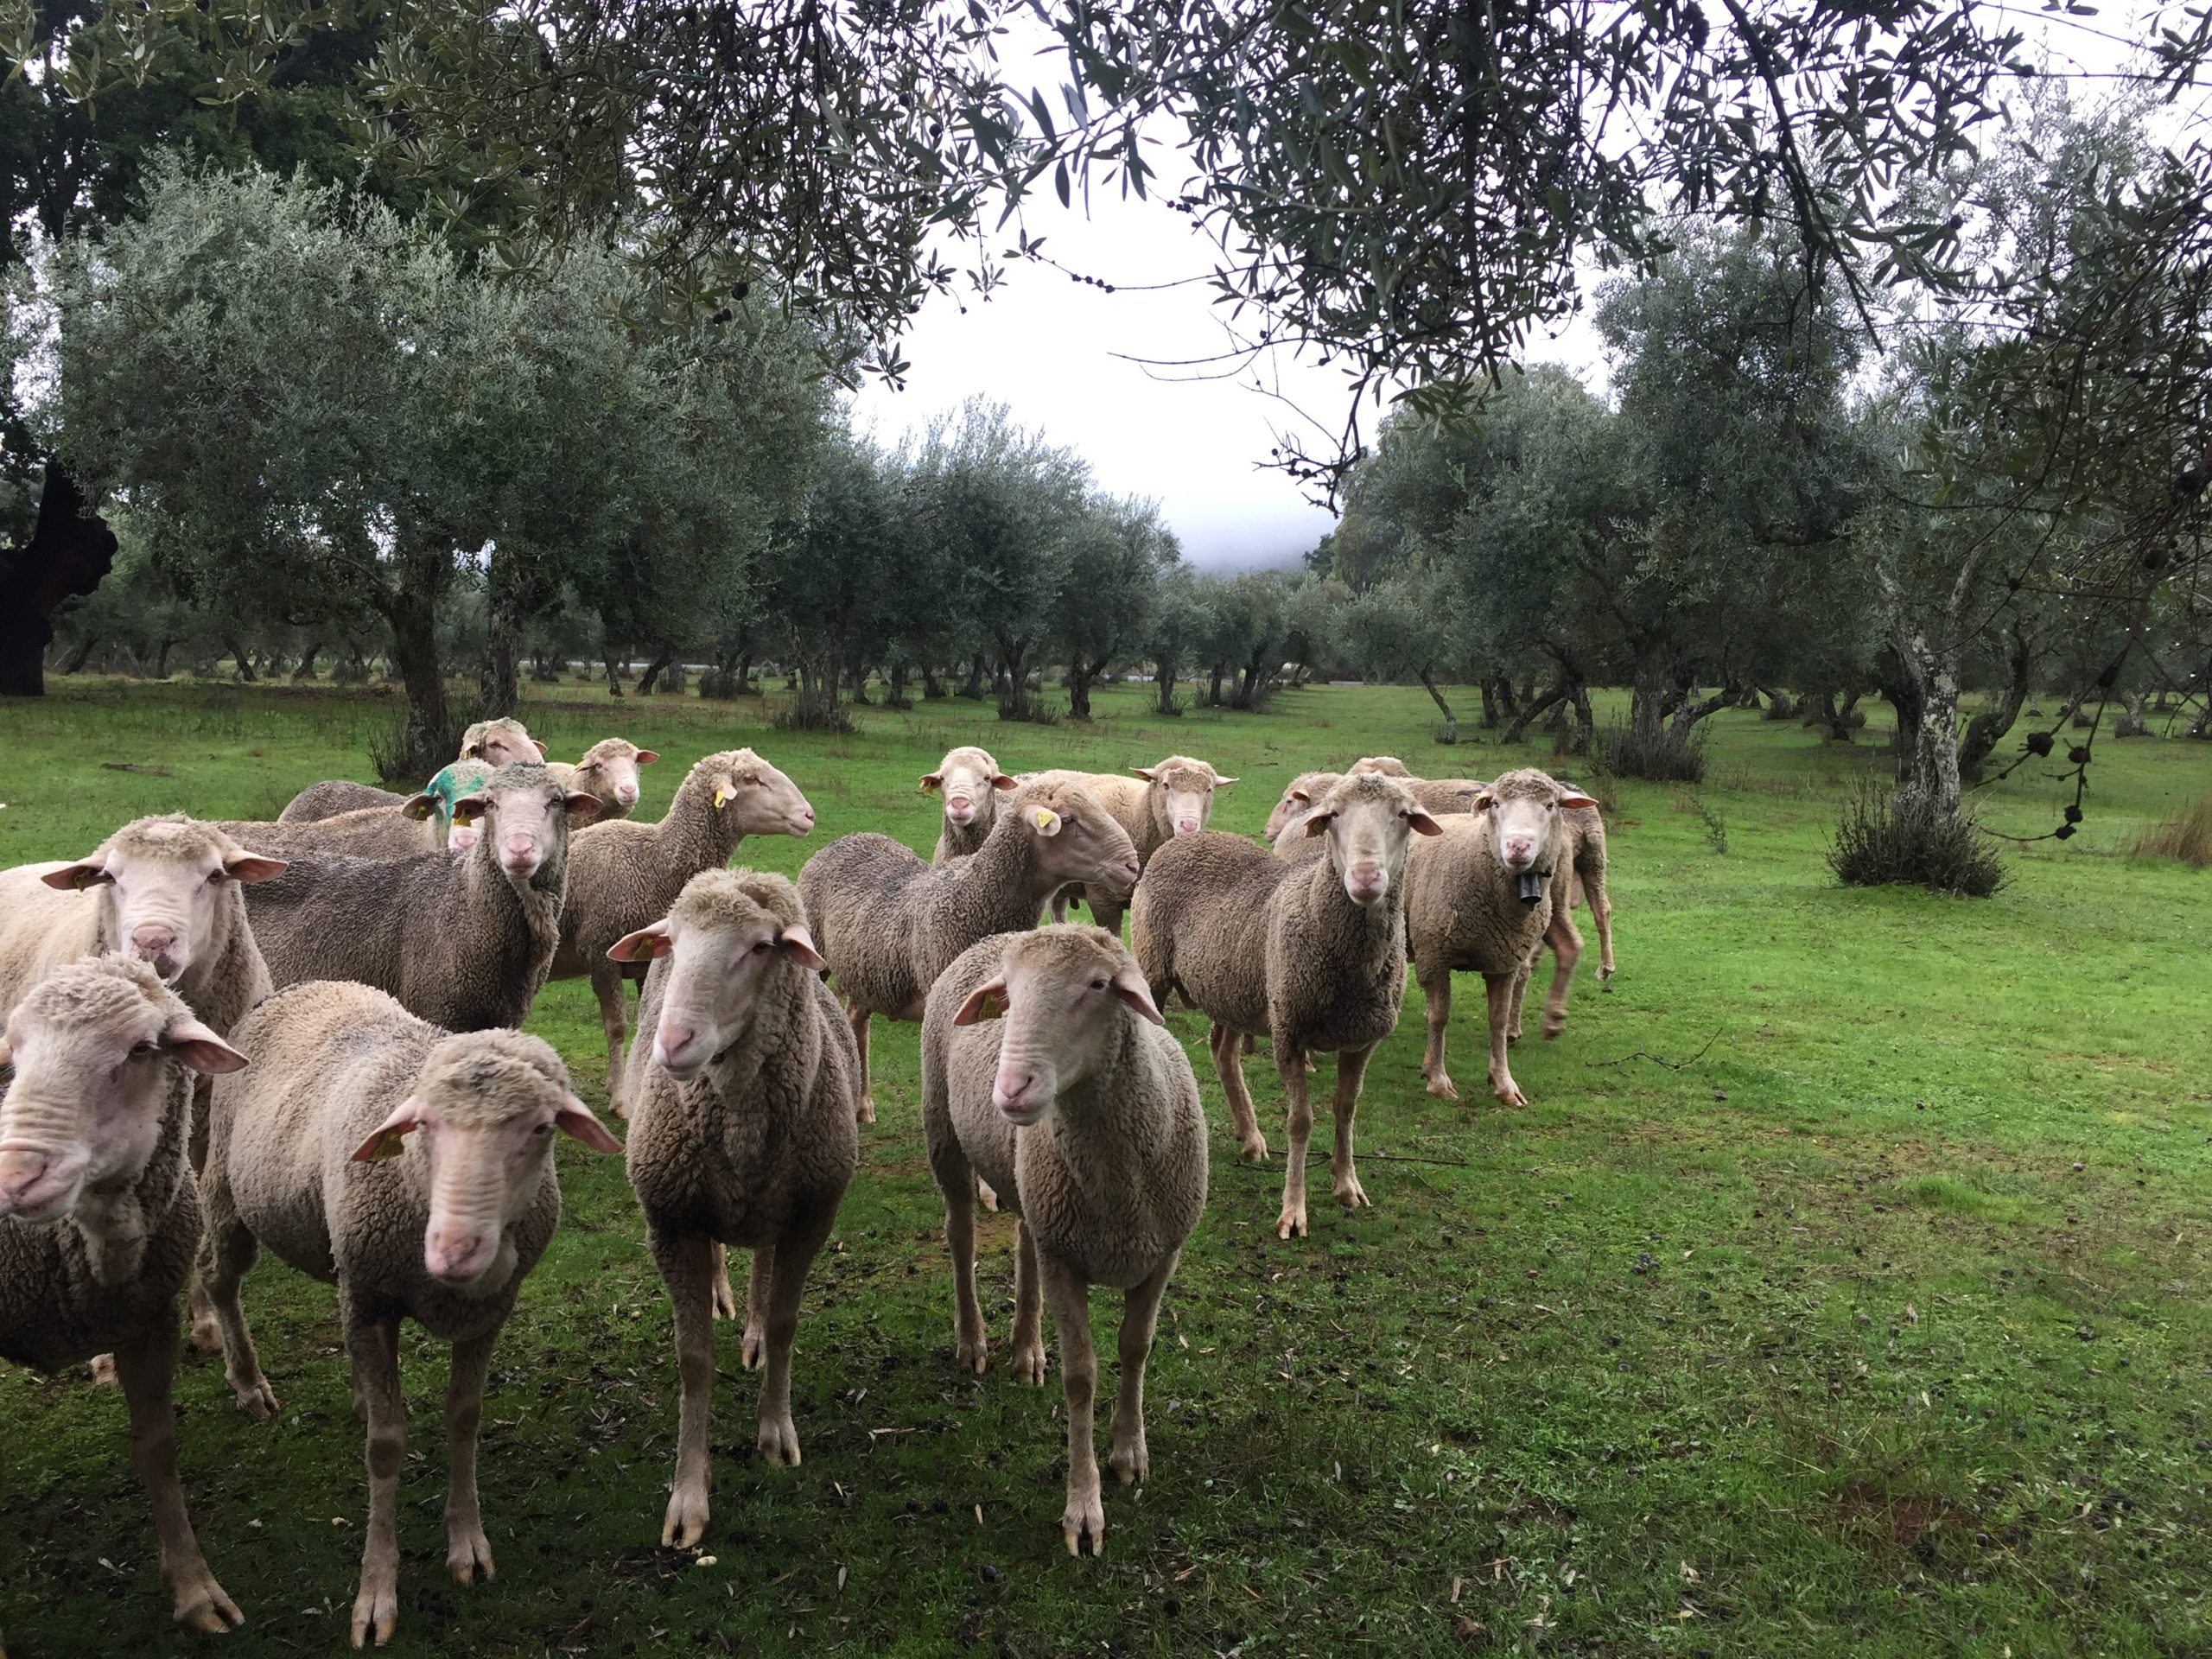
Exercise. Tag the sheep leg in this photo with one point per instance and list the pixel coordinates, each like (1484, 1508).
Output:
(859, 1016)
(1351, 1071)
(1499, 988)
(229, 1252)
(1228, 1065)
(1601, 916)
(1028, 1322)
(1566, 949)
(374, 1345)
(206, 1335)
(987, 1195)
(971, 1348)
(1290, 1065)
(1436, 989)
(754, 1350)
(1520, 990)
(789, 1260)
(468, 1552)
(1059, 902)
(726, 1299)
(687, 1266)
(391, 1338)
(607, 986)
(1083, 1523)
(1107, 913)
(1129, 1458)
(144, 1368)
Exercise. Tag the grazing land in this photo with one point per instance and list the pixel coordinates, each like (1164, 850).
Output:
(1846, 1289)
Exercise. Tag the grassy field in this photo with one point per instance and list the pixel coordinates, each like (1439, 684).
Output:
(1880, 1327)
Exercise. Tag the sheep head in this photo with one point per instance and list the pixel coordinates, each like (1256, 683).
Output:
(1063, 996)
(160, 885)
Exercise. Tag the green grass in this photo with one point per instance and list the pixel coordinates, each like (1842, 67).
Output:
(1879, 1329)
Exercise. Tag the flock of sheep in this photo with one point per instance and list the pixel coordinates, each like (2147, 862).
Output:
(233, 1036)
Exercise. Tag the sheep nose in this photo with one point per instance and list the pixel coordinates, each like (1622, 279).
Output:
(155, 946)
(627, 793)
(1016, 1096)
(520, 851)
(20, 1175)
(959, 808)
(463, 838)
(455, 1253)
(1366, 882)
(1519, 849)
(676, 1043)
(1186, 826)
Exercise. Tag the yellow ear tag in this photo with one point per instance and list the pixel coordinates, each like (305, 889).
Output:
(464, 819)
(393, 1143)
(1046, 818)
(991, 1006)
(722, 796)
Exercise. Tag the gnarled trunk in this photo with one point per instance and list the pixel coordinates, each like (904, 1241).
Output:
(1451, 733)
(1986, 730)
(70, 551)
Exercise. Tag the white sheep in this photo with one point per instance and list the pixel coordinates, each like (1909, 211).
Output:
(413, 1169)
(972, 784)
(1076, 1104)
(99, 1216)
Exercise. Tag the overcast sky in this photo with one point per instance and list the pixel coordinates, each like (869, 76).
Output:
(1061, 354)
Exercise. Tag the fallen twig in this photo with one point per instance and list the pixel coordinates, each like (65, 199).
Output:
(1660, 1059)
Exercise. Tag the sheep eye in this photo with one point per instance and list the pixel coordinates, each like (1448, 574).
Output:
(543, 1130)
(140, 1051)
(759, 947)
(1097, 984)
(215, 879)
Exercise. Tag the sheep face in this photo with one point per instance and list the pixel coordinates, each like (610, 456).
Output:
(610, 770)
(1060, 993)
(160, 884)
(91, 1045)
(1298, 800)
(526, 814)
(500, 743)
(483, 1114)
(972, 783)
(1182, 792)
(1367, 818)
(1522, 809)
(766, 801)
(1077, 840)
(726, 946)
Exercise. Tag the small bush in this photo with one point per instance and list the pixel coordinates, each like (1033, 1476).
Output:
(2186, 835)
(1884, 840)
(405, 753)
(1445, 732)
(1778, 706)
(805, 714)
(1669, 756)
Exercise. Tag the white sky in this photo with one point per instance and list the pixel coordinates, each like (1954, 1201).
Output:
(1058, 351)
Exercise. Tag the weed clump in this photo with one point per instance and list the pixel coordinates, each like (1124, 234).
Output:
(409, 752)
(1886, 840)
(1664, 755)
(2186, 835)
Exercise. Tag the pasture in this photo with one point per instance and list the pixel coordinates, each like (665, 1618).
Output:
(1842, 1291)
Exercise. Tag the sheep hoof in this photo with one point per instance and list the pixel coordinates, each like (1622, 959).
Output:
(468, 1557)
(1132, 1462)
(986, 1196)
(1255, 1150)
(202, 1607)
(1553, 1027)
(778, 1442)
(258, 1401)
(1352, 1195)
(1606, 972)
(206, 1335)
(752, 1353)
(1508, 1094)
(1443, 1088)
(867, 1113)
(620, 1110)
(687, 1520)
(102, 1371)
(1083, 1525)
(1029, 1364)
(975, 1355)
(1292, 1223)
(376, 1611)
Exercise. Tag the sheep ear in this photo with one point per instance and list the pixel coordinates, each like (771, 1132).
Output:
(1318, 824)
(252, 867)
(573, 1119)
(85, 872)
(1220, 782)
(1575, 799)
(539, 746)
(725, 791)
(1298, 795)
(582, 807)
(1131, 988)
(1144, 773)
(986, 1001)
(469, 808)
(647, 757)
(186, 1039)
(646, 942)
(1484, 800)
(421, 807)
(1046, 821)
(1423, 824)
(799, 944)
(390, 1138)
(931, 780)
(1002, 783)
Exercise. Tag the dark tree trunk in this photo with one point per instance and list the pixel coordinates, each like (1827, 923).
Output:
(414, 619)
(85, 648)
(1163, 685)
(240, 656)
(1585, 738)
(894, 687)
(1490, 705)
(68, 555)
(1013, 680)
(979, 671)
(654, 669)
(614, 676)
(1649, 699)
(1904, 695)
(305, 670)
(501, 680)
(161, 659)
(1213, 697)
(1451, 733)
(1080, 675)
(1986, 729)
(1531, 707)
(932, 689)
(1507, 704)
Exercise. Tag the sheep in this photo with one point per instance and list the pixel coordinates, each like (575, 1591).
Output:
(608, 770)
(972, 783)
(464, 940)
(335, 795)
(1587, 826)
(1483, 899)
(316, 1153)
(889, 923)
(1298, 797)
(365, 832)
(99, 1215)
(1437, 795)
(1080, 1108)
(485, 747)
(1154, 804)
(622, 876)
(745, 1082)
(1311, 954)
